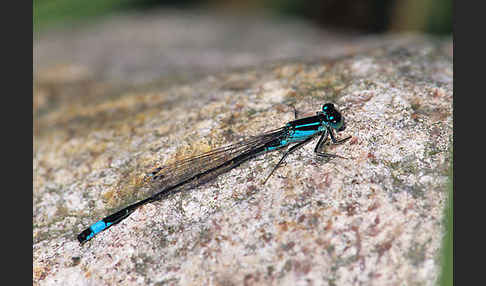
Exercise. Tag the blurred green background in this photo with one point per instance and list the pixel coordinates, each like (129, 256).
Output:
(361, 16)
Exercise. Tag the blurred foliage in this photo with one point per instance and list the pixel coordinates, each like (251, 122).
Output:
(440, 21)
(362, 16)
(447, 271)
(49, 13)
(60, 12)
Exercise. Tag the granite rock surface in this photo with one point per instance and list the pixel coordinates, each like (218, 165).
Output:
(375, 218)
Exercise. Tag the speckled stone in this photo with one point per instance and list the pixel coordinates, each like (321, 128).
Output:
(375, 218)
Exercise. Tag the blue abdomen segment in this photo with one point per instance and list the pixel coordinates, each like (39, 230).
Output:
(99, 226)
(280, 144)
(91, 231)
(110, 220)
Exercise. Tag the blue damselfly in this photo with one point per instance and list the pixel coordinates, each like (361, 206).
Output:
(194, 171)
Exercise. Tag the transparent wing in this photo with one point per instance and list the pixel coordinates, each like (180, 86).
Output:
(172, 174)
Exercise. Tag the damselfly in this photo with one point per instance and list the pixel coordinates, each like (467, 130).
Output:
(194, 171)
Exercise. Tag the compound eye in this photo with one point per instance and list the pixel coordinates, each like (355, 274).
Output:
(327, 107)
(335, 120)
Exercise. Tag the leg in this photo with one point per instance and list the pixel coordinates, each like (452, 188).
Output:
(296, 116)
(333, 139)
(323, 140)
(292, 149)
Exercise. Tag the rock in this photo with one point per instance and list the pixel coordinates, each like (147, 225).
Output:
(374, 218)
